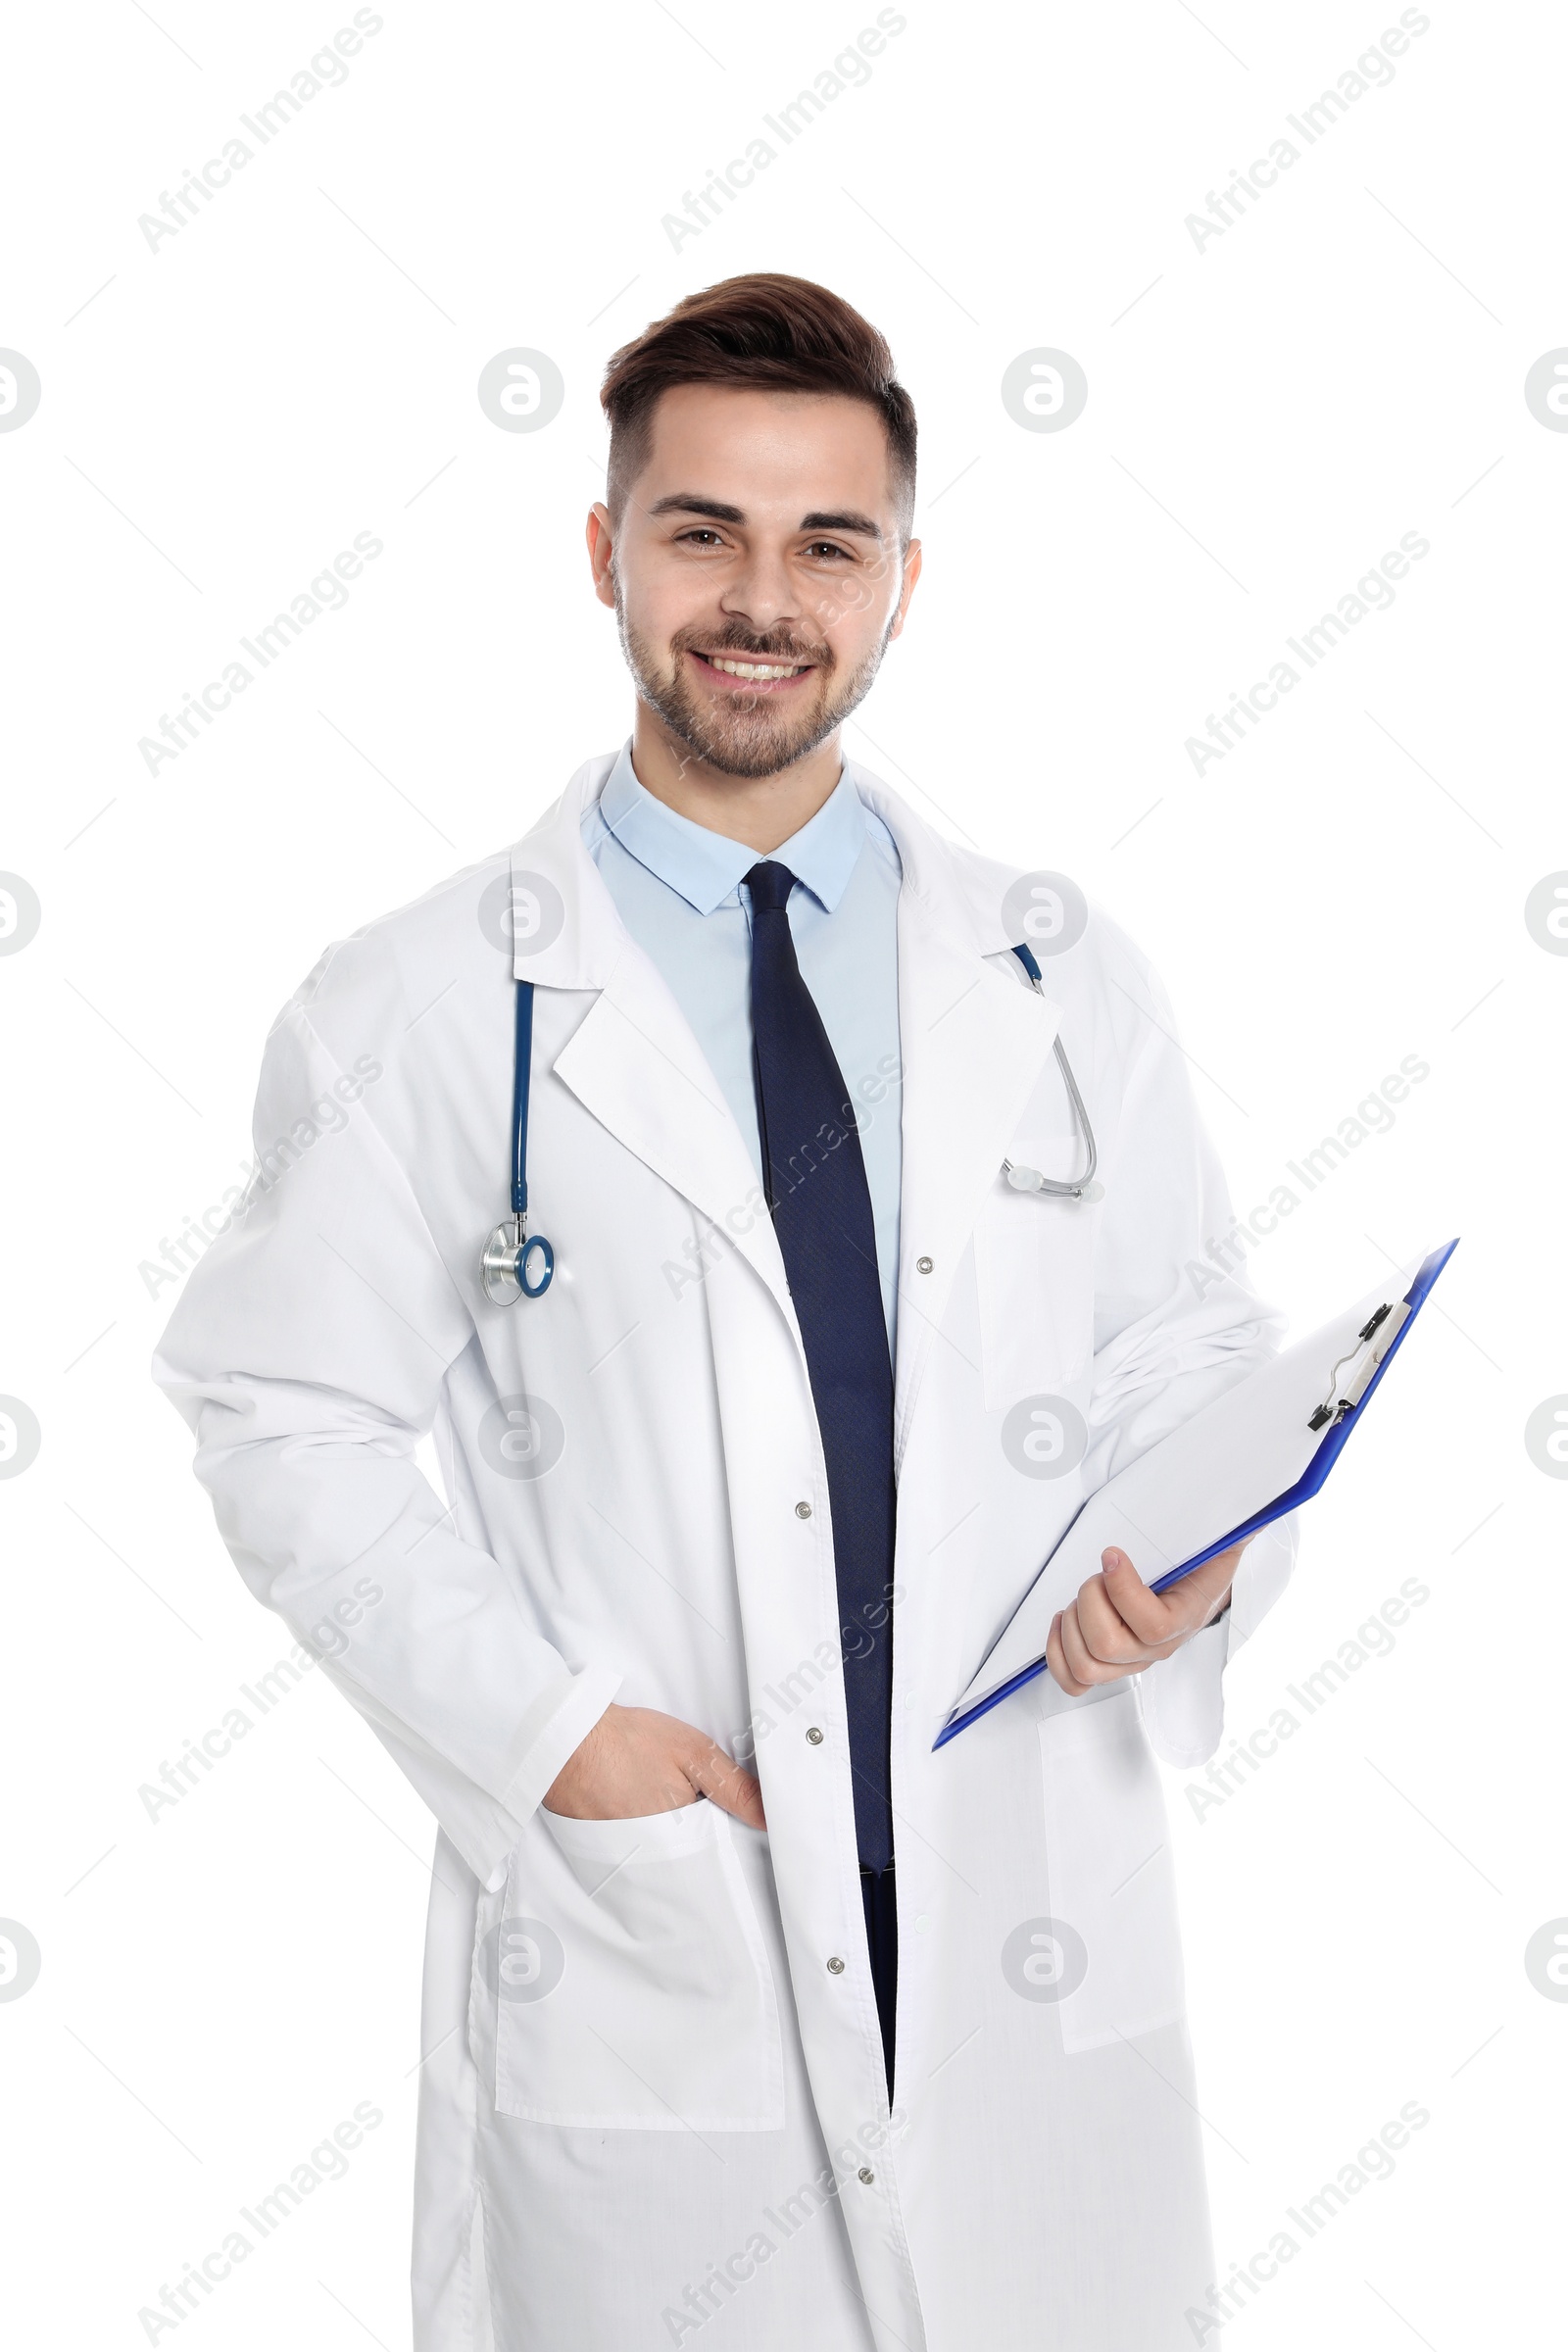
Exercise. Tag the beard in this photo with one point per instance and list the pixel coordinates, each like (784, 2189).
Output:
(746, 735)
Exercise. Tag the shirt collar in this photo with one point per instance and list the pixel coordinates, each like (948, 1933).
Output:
(704, 867)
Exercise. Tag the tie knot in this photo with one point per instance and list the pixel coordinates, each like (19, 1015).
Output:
(770, 885)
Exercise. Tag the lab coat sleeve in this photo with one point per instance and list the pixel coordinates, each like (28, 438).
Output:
(308, 1353)
(1177, 1323)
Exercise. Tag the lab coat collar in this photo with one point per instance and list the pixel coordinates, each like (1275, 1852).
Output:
(705, 867)
(575, 938)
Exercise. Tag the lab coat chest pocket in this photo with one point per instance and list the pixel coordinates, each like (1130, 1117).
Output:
(628, 1981)
(1033, 1261)
(1108, 1868)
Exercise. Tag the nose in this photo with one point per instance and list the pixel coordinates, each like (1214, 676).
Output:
(763, 594)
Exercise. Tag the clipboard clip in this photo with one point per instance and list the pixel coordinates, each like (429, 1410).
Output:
(1376, 1335)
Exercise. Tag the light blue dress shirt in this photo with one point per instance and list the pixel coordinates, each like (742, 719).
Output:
(678, 890)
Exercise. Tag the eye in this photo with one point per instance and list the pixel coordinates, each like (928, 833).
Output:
(829, 550)
(707, 537)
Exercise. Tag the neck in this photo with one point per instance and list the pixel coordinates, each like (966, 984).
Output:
(763, 811)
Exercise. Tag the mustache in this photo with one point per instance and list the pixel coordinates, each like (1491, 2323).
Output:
(747, 645)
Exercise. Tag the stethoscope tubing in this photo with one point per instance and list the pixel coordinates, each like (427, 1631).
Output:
(518, 1264)
(1080, 1187)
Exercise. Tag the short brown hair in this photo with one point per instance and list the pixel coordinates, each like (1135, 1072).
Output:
(781, 334)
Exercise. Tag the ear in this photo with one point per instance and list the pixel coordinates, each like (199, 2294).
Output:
(602, 551)
(911, 572)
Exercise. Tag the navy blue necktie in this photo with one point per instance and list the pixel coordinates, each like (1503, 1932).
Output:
(814, 1181)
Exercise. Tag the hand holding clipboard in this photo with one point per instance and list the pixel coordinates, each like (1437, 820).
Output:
(1186, 1508)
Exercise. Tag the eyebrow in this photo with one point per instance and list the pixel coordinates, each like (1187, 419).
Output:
(859, 525)
(687, 502)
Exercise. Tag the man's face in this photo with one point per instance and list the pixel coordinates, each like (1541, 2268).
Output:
(761, 536)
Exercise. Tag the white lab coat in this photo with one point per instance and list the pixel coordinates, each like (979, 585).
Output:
(654, 2112)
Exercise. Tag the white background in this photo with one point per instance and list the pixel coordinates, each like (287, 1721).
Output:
(1266, 416)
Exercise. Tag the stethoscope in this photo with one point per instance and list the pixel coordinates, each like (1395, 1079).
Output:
(518, 1264)
(1030, 1180)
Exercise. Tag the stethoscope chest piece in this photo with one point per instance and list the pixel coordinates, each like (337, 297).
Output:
(515, 1265)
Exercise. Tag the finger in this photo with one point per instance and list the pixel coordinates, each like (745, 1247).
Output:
(1106, 1632)
(1056, 1659)
(728, 1783)
(1086, 1669)
(1156, 1618)
(1149, 1615)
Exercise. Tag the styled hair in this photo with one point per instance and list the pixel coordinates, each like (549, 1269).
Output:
(783, 334)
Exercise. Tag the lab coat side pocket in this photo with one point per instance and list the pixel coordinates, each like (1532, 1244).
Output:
(634, 1991)
(1034, 1257)
(1108, 1868)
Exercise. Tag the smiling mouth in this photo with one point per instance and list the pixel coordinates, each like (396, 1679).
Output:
(752, 672)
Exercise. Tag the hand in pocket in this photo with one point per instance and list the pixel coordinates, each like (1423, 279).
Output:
(636, 1761)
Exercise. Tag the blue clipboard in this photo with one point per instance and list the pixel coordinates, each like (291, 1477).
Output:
(1333, 1441)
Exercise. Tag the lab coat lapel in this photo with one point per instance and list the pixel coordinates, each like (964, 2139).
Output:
(633, 1061)
(635, 1064)
(973, 1043)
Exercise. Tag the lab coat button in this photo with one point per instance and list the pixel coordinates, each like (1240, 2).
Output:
(814, 1736)
(867, 2175)
(835, 1967)
(923, 1266)
(802, 1510)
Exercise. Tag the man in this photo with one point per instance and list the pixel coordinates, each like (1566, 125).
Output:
(748, 2016)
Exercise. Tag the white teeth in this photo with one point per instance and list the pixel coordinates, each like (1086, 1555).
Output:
(756, 669)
